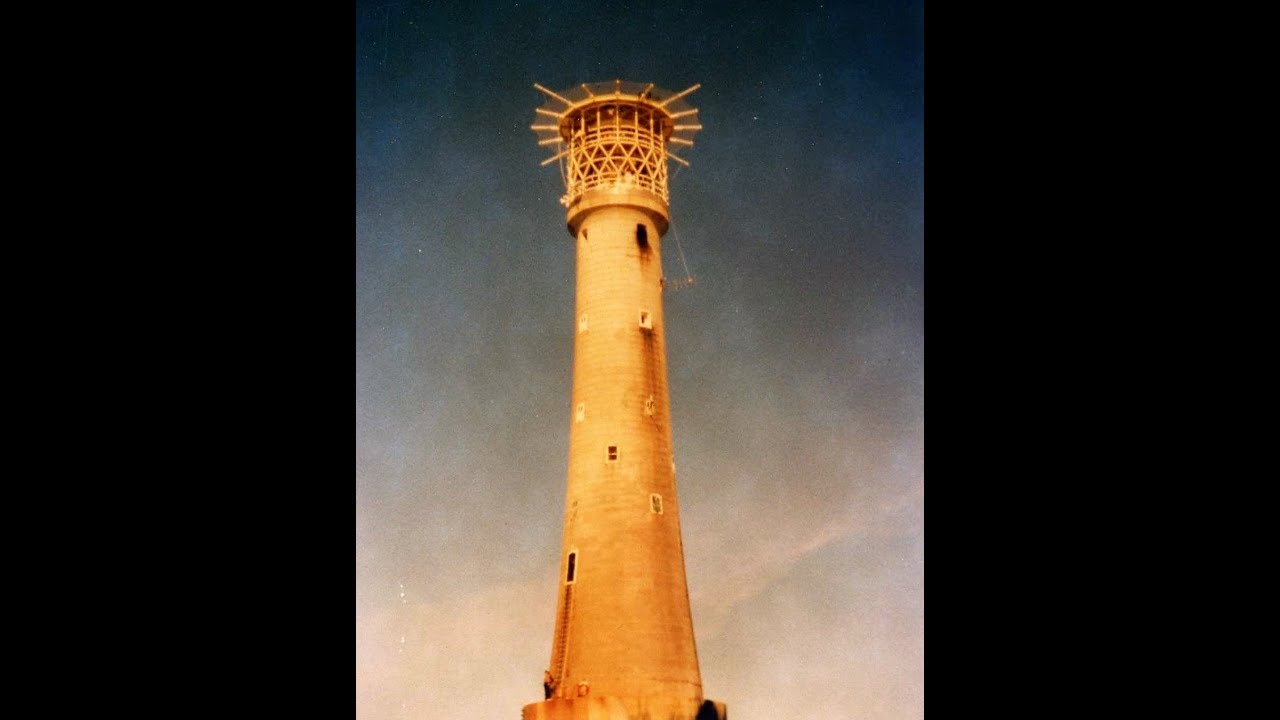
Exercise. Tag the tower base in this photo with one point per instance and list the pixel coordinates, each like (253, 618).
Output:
(603, 707)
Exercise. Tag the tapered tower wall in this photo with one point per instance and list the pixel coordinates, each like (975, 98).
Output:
(631, 632)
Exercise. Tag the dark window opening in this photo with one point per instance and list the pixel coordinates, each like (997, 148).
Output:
(655, 503)
(613, 453)
(573, 557)
(642, 235)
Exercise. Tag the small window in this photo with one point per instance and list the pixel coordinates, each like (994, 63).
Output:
(582, 323)
(582, 412)
(569, 574)
(613, 453)
(642, 235)
(655, 503)
(648, 405)
(646, 320)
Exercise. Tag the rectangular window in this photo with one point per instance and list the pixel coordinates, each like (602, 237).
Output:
(655, 503)
(648, 405)
(573, 558)
(582, 412)
(582, 323)
(613, 453)
(646, 320)
(642, 235)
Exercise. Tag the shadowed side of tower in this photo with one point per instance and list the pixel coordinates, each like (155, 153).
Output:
(623, 645)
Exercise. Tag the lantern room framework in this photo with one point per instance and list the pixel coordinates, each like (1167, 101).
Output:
(615, 134)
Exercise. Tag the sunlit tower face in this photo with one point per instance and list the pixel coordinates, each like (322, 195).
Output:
(623, 645)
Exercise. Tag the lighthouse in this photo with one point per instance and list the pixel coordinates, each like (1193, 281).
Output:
(623, 646)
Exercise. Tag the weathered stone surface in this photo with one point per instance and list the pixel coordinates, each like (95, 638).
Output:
(627, 631)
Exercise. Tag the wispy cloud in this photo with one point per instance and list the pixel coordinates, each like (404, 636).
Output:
(743, 568)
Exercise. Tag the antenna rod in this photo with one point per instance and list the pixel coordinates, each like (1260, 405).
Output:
(553, 158)
(679, 95)
(561, 99)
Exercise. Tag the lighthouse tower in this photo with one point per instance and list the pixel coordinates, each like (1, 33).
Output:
(623, 646)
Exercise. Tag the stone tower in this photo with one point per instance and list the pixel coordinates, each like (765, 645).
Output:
(623, 646)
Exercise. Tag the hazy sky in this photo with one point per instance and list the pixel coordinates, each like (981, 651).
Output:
(796, 361)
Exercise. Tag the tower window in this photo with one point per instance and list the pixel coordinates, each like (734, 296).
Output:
(642, 235)
(655, 503)
(613, 453)
(569, 574)
(582, 323)
(582, 412)
(648, 405)
(646, 320)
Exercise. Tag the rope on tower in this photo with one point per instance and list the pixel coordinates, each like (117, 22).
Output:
(688, 279)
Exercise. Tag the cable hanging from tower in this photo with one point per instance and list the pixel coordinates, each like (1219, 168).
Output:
(688, 279)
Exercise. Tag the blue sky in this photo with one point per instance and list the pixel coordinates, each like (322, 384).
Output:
(796, 361)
